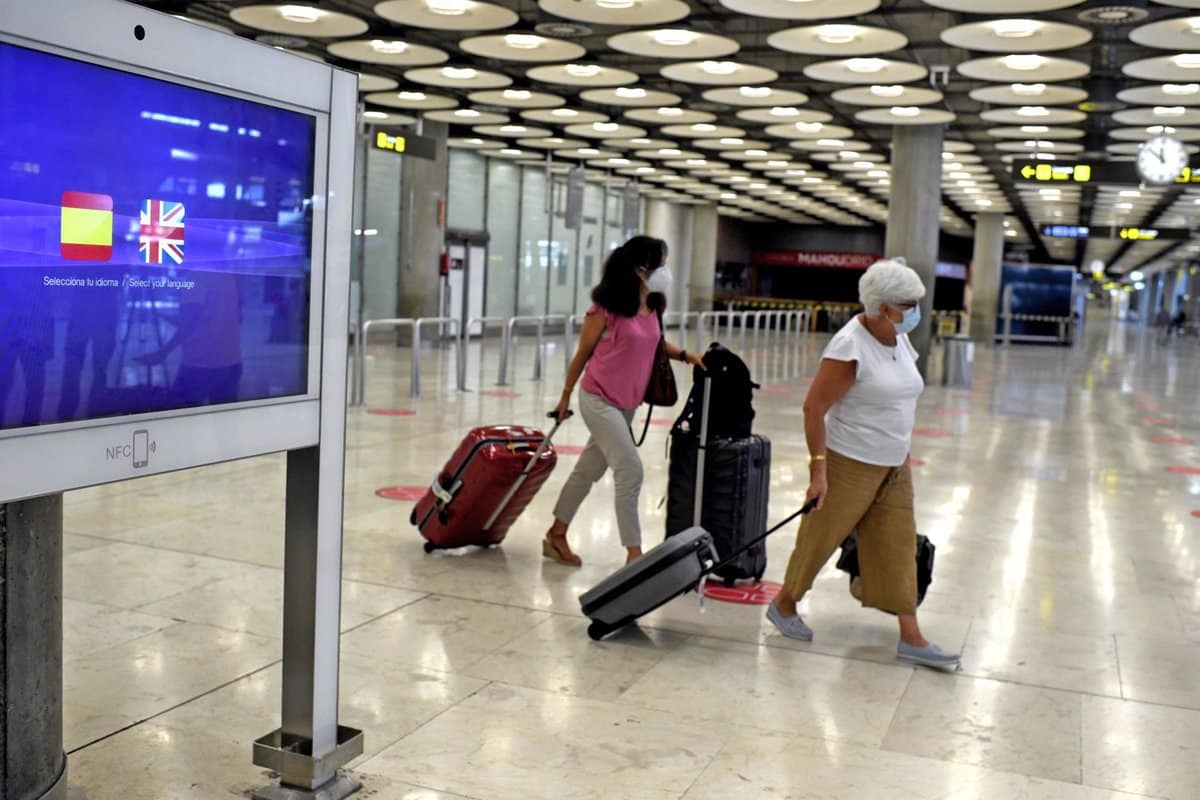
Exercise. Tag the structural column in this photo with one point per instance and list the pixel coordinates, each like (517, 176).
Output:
(914, 224)
(986, 263)
(422, 229)
(672, 222)
(703, 277)
(32, 763)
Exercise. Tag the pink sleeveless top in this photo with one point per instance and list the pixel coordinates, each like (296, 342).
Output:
(619, 369)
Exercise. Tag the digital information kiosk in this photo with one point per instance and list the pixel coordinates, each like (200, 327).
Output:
(175, 225)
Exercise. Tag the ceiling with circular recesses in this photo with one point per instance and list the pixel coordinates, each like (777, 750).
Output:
(783, 109)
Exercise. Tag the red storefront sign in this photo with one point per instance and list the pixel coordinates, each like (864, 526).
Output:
(815, 258)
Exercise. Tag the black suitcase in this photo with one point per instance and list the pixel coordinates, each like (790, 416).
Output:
(734, 490)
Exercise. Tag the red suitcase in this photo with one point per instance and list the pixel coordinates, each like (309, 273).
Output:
(484, 487)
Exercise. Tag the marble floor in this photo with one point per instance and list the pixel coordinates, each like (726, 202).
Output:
(1065, 574)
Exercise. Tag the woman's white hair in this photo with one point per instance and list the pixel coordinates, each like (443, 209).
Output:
(889, 281)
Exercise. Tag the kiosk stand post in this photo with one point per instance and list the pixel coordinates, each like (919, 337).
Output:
(32, 762)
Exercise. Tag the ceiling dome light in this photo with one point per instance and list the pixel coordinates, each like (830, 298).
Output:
(704, 127)
(1180, 89)
(305, 15)
(582, 70)
(831, 143)
(460, 73)
(1033, 111)
(670, 111)
(785, 111)
(513, 129)
(670, 151)
(1160, 129)
(1015, 28)
(509, 151)
(1169, 111)
(809, 127)
(1029, 89)
(1187, 60)
(865, 65)
(605, 127)
(887, 90)
(449, 8)
(733, 140)
(414, 97)
(674, 37)
(1024, 62)
(588, 151)
(518, 94)
(467, 113)
(755, 153)
(564, 113)
(719, 67)
(619, 162)
(838, 34)
(374, 115)
(524, 41)
(755, 91)
(905, 111)
(1034, 129)
(390, 48)
(631, 93)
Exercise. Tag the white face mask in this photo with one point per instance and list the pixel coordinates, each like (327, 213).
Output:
(660, 281)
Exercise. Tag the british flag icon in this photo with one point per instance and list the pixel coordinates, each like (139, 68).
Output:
(161, 234)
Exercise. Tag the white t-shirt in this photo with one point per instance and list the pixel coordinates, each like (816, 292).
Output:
(873, 422)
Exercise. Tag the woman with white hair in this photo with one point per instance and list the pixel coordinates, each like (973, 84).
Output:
(858, 420)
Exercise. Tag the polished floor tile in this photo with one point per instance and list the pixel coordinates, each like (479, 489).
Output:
(1140, 747)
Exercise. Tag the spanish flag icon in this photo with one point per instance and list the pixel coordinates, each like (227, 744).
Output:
(87, 226)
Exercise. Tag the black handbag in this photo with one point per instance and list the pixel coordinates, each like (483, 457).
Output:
(662, 389)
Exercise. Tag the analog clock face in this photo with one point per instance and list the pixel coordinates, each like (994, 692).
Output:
(1161, 160)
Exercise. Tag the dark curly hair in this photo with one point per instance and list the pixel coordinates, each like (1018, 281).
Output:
(620, 288)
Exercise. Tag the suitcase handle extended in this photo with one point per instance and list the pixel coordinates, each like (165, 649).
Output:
(537, 456)
(809, 506)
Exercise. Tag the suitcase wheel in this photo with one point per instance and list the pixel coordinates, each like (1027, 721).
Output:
(430, 547)
(598, 630)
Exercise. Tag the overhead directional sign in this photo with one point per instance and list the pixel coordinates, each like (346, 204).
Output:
(1121, 172)
(1128, 234)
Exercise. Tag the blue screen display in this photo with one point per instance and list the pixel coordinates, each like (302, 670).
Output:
(155, 244)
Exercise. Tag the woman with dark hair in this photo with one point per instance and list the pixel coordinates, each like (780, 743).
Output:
(615, 359)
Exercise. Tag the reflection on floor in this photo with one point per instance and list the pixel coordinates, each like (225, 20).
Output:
(1065, 573)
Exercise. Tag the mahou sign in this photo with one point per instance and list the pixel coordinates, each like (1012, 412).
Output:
(815, 258)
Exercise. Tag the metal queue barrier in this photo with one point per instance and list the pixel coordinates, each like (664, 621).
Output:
(780, 325)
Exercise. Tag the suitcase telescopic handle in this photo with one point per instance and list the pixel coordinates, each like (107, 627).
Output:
(701, 453)
(533, 462)
(809, 506)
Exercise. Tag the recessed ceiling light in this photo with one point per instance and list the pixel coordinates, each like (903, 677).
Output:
(509, 151)
(704, 127)
(774, 163)
(1024, 62)
(831, 143)
(1015, 28)
(756, 152)
(391, 48)
(865, 65)
(784, 111)
(375, 115)
(474, 141)
(449, 8)
(1043, 143)
(960, 175)
(674, 37)
(809, 127)
(670, 111)
(410, 96)
(719, 67)
(1169, 111)
(619, 162)
(605, 127)
(460, 73)
(640, 140)
(1187, 60)
(513, 129)
(863, 165)
(517, 94)
(1033, 111)
(1029, 89)
(468, 113)
(838, 34)
(1157, 129)
(755, 91)
(1181, 89)
(615, 3)
(305, 15)
(733, 140)
(524, 41)
(631, 93)
(887, 90)
(877, 173)
(1034, 129)
(588, 151)
(670, 151)
(811, 181)
(582, 70)
(564, 113)
(905, 111)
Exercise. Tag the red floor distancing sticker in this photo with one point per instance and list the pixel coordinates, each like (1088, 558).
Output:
(915, 462)
(1184, 470)
(407, 493)
(501, 393)
(1151, 407)
(568, 449)
(1172, 440)
(1159, 421)
(746, 594)
(391, 412)
(935, 433)
(1196, 514)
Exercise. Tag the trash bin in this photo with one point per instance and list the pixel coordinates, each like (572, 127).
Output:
(958, 359)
